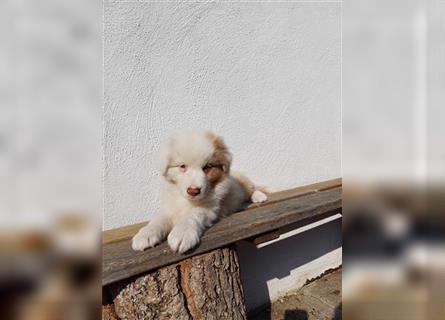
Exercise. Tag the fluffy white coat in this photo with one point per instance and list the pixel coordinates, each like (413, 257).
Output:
(197, 190)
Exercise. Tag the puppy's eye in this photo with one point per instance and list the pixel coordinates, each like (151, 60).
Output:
(183, 167)
(207, 168)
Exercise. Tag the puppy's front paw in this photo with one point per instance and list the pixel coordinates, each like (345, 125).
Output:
(182, 239)
(139, 242)
(258, 196)
(145, 238)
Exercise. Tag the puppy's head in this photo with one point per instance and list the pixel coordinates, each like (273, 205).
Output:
(195, 162)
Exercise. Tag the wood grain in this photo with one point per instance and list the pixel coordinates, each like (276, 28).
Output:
(122, 233)
(203, 287)
(121, 262)
(300, 191)
(127, 232)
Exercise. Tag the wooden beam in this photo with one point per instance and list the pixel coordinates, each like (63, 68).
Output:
(121, 262)
(300, 191)
(122, 233)
(127, 232)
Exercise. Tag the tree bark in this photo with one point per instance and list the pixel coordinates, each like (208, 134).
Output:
(206, 286)
(108, 312)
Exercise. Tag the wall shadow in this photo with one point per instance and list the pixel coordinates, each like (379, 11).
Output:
(259, 265)
(338, 312)
(296, 314)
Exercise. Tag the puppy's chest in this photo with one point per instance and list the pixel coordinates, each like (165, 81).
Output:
(179, 207)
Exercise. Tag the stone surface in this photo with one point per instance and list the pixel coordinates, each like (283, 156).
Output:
(318, 300)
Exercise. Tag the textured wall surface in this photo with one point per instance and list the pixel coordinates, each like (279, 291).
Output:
(266, 76)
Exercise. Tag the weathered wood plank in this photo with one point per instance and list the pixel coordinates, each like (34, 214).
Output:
(122, 233)
(300, 191)
(127, 232)
(265, 237)
(120, 261)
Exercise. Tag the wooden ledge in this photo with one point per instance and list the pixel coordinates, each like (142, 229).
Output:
(127, 232)
(300, 205)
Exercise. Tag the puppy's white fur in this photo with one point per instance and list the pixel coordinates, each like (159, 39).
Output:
(198, 160)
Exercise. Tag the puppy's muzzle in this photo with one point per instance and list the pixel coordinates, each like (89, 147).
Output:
(193, 191)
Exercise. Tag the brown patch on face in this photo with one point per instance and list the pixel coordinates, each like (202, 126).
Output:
(221, 155)
(219, 165)
(215, 175)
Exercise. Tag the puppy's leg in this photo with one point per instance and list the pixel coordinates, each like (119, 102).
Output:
(256, 193)
(258, 196)
(152, 234)
(187, 232)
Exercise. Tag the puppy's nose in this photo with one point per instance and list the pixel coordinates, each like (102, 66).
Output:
(193, 191)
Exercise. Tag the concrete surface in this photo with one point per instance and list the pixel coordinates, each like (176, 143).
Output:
(318, 300)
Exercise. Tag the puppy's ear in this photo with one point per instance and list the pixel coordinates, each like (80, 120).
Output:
(164, 159)
(221, 154)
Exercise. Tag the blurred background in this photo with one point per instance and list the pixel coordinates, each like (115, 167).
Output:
(392, 159)
(50, 159)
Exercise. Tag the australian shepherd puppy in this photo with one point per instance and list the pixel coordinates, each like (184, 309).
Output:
(198, 188)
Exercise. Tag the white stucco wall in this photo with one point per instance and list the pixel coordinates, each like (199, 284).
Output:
(266, 76)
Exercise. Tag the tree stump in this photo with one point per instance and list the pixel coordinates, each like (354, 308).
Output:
(206, 286)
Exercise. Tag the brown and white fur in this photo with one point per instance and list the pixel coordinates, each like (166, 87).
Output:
(197, 190)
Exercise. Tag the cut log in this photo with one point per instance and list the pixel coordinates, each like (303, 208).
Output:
(108, 312)
(206, 286)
